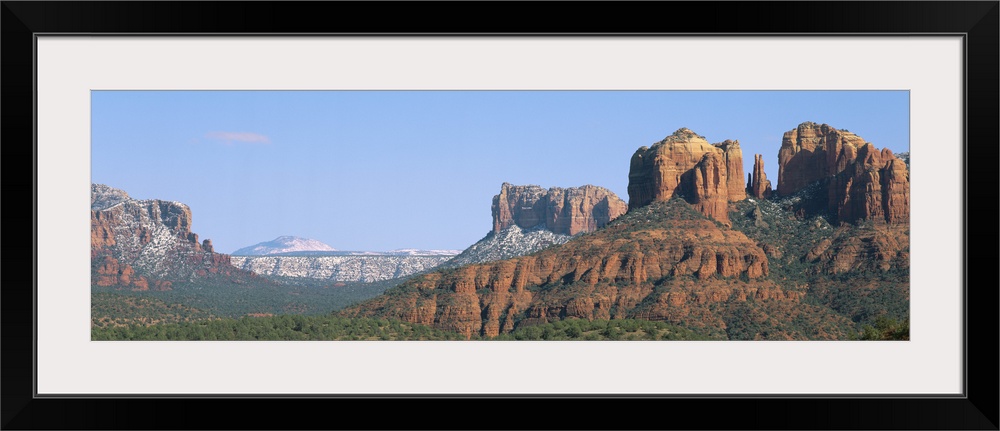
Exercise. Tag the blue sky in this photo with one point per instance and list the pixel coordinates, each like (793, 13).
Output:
(381, 170)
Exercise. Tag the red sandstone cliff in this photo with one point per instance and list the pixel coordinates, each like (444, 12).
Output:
(148, 244)
(684, 164)
(758, 186)
(566, 211)
(733, 156)
(874, 249)
(614, 268)
(861, 182)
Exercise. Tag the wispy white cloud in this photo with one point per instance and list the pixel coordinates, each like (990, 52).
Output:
(239, 137)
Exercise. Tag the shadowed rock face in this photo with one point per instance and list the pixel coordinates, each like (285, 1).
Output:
(861, 182)
(566, 211)
(147, 244)
(685, 165)
(812, 152)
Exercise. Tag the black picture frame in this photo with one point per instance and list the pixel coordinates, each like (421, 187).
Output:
(977, 22)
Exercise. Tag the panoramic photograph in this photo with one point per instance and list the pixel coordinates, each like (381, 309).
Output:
(500, 215)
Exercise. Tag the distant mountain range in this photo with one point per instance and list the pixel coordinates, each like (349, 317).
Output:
(339, 268)
(297, 246)
(284, 244)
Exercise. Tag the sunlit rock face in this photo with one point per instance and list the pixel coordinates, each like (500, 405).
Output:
(685, 165)
(566, 211)
(861, 181)
(147, 244)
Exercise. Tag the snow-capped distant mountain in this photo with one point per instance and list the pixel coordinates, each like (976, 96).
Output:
(296, 246)
(418, 252)
(283, 244)
(290, 256)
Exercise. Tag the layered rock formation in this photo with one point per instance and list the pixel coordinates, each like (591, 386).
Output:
(144, 244)
(895, 178)
(528, 218)
(860, 182)
(685, 165)
(566, 211)
(861, 250)
(107, 271)
(758, 186)
(616, 268)
(811, 152)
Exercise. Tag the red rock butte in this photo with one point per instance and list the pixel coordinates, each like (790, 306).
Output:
(861, 182)
(685, 165)
(566, 211)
